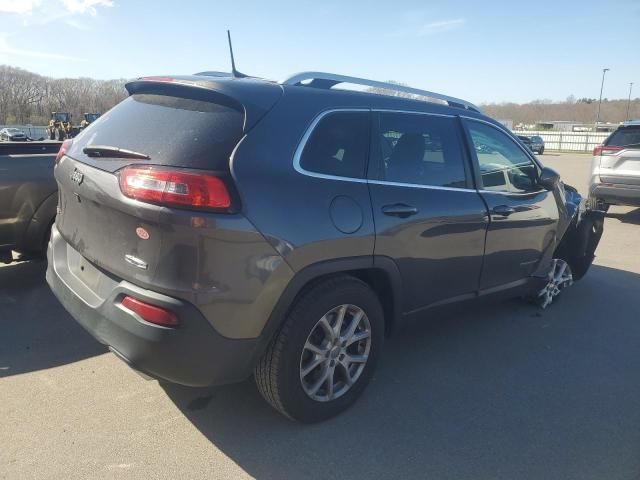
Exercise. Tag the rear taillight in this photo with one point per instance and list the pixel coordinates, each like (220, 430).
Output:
(606, 150)
(66, 145)
(174, 187)
(150, 313)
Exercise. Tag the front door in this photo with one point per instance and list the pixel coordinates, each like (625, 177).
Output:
(428, 217)
(524, 216)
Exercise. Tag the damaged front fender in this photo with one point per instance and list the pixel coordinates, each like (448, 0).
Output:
(582, 235)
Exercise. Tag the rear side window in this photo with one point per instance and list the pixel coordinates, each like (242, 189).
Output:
(419, 149)
(171, 130)
(338, 145)
(625, 136)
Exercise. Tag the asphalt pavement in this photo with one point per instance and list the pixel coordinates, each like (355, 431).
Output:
(489, 390)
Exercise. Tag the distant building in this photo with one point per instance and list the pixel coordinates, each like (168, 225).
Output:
(572, 126)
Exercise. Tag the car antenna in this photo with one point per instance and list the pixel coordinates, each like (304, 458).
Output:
(234, 73)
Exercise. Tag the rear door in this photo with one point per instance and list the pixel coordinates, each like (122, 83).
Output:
(524, 216)
(620, 160)
(428, 216)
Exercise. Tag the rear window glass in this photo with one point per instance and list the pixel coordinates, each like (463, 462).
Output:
(171, 130)
(625, 136)
(338, 145)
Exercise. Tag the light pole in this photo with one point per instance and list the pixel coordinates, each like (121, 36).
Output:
(629, 101)
(604, 71)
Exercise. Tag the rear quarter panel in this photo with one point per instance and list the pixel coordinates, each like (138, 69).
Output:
(291, 209)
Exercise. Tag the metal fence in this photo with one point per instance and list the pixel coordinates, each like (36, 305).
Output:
(34, 132)
(567, 141)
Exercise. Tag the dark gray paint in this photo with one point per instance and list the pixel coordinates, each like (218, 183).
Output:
(242, 271)
(27, 200)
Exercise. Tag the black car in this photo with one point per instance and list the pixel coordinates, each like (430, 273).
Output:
(535, 143)
(285, 229)
(11, 134)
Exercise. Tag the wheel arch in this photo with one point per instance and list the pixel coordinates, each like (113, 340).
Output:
(379, 272)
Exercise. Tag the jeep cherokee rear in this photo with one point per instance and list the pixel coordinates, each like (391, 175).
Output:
(213, 227)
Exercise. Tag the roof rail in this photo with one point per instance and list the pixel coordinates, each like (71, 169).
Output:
(328, 80)
(214, 74)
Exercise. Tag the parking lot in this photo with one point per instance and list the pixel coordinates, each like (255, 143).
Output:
(496, 390)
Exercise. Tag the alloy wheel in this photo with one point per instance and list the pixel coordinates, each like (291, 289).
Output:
(559, 278)
(335, 353)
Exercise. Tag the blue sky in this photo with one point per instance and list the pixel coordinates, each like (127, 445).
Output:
(484, 51)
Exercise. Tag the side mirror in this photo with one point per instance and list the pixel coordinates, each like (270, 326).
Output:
(548, 178)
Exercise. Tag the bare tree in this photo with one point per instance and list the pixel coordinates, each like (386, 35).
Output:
(27, 97)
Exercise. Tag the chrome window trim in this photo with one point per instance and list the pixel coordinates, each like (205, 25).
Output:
(305, 138)
(413, 112)
(418, 185)
(508, 134)
(527, 154)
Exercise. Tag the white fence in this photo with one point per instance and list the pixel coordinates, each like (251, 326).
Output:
(562, 141)
(567, 141)
(33, 132)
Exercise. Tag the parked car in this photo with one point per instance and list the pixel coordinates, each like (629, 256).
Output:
(287, 228)
(11, 134)
(535, 143)
(525, 140)
(615, 170)
(28, 198)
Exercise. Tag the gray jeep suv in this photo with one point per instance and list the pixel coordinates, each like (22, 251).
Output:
(212, 228)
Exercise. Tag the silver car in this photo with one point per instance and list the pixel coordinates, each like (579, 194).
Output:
(615, 171)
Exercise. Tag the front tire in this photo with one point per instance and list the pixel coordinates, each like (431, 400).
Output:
(324, 355)
(542, 151)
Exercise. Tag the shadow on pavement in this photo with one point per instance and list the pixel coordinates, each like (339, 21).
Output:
(632, 216)
(489, 390)
(35, 331)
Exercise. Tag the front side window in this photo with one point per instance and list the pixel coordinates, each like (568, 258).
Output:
(419, 149)
(338, 145)
(504, 167)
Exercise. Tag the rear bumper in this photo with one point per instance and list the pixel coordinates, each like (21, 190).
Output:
(616, 193)
(192, 354)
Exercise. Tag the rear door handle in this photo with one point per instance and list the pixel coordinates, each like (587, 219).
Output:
(399, 210)
(503, 210)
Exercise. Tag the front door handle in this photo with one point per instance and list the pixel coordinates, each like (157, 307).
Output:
(503, 210)
(399, 210)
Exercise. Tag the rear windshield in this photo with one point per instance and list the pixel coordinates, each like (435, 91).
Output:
(625, 136)
(170, 130)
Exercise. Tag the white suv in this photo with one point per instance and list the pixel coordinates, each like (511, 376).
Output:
(615, 171)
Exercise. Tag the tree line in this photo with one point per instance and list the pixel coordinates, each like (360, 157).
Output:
(584, 110)
(29, 98)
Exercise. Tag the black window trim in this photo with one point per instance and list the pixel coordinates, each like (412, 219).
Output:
(476, 163)
(303, 142)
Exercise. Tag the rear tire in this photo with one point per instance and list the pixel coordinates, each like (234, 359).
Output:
(310, 372)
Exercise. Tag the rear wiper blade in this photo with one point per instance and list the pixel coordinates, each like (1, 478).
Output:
(100, 151)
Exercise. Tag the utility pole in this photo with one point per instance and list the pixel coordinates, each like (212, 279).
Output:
(629, 101)
(604, 71)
